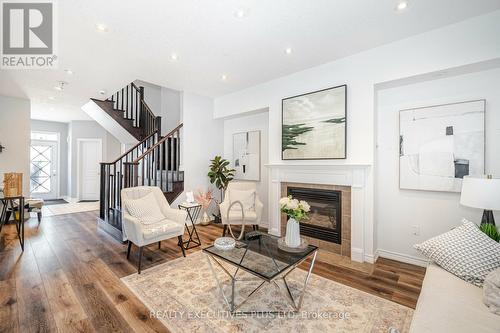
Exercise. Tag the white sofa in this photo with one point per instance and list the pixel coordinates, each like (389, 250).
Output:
(449, 304)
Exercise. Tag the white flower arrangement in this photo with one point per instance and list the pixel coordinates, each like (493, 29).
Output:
(294, 208)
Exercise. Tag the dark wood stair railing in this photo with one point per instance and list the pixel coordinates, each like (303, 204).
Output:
(129, 103)
(158, 166)
(111, 178)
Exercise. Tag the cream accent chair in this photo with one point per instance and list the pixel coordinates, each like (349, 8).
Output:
(252, 217)
(144, 234)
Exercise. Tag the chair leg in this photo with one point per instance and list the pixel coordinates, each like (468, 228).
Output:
(140, 259)
(182, 246)
(224, 231)
(128, 249)
(39, 215)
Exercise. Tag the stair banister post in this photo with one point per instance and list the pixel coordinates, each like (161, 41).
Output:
(142, 115)
(103, 201)
(128, 174)
(158, 125)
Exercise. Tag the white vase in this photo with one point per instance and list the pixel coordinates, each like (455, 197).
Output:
(205, 219)
(292, 238)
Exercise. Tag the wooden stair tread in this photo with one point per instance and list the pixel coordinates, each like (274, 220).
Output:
(127, 124)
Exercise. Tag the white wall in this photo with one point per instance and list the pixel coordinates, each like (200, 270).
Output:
(467, 42)
(81, 129)
(164, 102)
(253, 122)
(170, 109)
(62, 130)
(202, 139)
(15, 131)
(397, 211)
(470, 41)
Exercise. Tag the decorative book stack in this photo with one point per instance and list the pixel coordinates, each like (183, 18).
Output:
(13, 184)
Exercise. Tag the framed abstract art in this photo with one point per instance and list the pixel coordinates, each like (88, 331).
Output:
(314, 125)
(246, 155)
(439, 145)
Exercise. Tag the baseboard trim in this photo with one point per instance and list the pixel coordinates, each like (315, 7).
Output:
(371, 258)
(403, 258)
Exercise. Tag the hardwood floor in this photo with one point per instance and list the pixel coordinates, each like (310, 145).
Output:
(68, 278)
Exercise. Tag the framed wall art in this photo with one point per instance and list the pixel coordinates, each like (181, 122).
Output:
(439, 145)
(246, 155)
(314, 125)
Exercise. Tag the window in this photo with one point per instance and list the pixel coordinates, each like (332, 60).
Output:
(45, 136)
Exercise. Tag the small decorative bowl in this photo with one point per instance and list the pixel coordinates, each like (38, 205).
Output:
(224, 243)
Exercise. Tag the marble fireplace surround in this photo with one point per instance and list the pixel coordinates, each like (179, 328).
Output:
(355, 177)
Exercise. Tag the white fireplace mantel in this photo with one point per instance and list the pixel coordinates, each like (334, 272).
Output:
(357, 176)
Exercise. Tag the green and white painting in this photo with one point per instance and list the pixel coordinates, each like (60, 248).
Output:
(314, 125)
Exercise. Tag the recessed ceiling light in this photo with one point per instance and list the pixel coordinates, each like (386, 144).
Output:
(68, 71)
(60, 86)
(101, 27)
(288, 50)
(174, 57)
(102, 92)
(402, 5)
(223, 77)
(241, 13)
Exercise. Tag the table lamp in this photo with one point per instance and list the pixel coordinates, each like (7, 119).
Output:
(482, 193)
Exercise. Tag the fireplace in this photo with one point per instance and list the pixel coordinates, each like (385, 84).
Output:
(325, 217)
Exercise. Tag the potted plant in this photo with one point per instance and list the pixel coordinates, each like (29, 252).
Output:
(296, 211)
(490, 230)
(220, 174)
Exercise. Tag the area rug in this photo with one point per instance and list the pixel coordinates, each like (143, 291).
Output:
(183, 295)
(70, 208)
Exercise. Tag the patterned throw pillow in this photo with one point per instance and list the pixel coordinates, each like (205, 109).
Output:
(145, 209)
(464, 251)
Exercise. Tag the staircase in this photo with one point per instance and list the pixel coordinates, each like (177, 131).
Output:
(153, 161)
(129, 109)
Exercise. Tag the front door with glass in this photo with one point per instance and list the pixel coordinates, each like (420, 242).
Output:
(43, 169)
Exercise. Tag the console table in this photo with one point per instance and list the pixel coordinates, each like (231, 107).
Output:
(6, 201)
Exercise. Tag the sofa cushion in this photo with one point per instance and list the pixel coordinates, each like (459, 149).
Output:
(464, 251)
(491, 289)
(165, 227)
(449, 304)
(145, 209)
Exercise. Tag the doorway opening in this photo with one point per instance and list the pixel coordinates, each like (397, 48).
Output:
(44, 165)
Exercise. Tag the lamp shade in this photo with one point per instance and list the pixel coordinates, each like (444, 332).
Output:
(481, 193)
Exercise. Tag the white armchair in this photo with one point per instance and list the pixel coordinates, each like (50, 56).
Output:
(144, 234)
(232, 206)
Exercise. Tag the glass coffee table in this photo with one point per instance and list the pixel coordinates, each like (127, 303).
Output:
(260, 256)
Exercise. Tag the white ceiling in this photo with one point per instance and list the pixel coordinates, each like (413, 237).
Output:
(211, 40)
